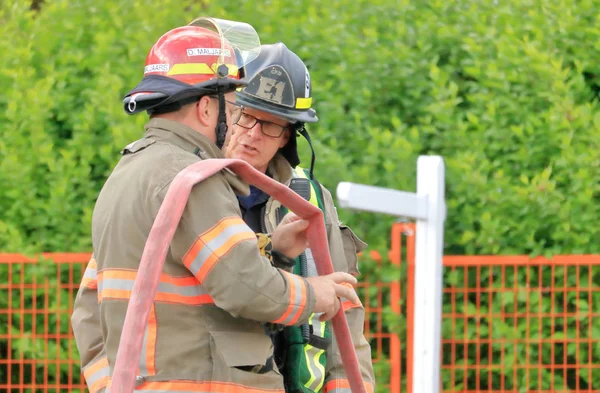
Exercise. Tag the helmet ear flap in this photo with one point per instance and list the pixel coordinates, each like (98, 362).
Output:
(290, 150)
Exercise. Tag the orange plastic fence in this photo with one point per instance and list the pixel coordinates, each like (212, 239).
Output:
(510, 323)
(516, 324)
(37, 350)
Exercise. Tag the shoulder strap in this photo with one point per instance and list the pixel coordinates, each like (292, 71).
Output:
(316, 195)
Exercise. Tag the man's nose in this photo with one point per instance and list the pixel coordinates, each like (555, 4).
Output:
(255, 131)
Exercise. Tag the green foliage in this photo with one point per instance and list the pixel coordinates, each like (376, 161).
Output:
(504, 91)
(67, 68)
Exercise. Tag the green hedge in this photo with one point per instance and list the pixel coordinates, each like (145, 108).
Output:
(505, 91)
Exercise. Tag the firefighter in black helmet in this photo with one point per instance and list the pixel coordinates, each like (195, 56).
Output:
(277, 103)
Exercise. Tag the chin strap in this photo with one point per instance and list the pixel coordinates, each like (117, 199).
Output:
(302, 131)
(221, 129)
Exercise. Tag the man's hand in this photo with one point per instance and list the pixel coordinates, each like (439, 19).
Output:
(289, 237)
(328, 289)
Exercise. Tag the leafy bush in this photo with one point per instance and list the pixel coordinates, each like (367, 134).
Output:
(505, 92)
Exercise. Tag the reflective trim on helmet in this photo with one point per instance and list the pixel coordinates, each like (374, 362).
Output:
(199, 69)
(303, 103)
(293, 115)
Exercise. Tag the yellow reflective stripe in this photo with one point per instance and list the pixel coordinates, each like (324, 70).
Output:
(313, 194)
(200, 68)
(318, 364)
(190, 68)
(316, 369)
(313, 357)
(318, 359)
(303, 103)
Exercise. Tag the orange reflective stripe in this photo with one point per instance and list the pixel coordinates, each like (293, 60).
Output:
(148, 355)
(89, 279)
(118, 284)
(342, 386)
(97, 374)
(213, 244)
(297, 299)
(204, 387)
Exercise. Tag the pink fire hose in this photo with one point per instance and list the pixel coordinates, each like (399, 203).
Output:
(157, 245)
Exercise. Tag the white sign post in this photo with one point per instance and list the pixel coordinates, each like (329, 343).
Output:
(428, 207)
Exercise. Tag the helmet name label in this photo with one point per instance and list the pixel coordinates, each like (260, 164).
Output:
(156, 68)
(208, 52)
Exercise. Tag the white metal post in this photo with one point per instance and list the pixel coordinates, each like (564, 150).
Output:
(428, 207)
(428, 277)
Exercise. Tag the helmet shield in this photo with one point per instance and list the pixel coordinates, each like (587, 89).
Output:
(241, 36)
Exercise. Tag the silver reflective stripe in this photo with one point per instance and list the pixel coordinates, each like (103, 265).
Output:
(318, 326)
(310, 262)
(215, 244)
(317, 371)
(90, 273)
(103, 372)
(163, 287)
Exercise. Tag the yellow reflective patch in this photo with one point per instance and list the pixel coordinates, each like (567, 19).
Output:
(303, 103)
(190, 68)
(200, 69)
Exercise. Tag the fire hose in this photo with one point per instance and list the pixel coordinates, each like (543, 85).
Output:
(159, 240)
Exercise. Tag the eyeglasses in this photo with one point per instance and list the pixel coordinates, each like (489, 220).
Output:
(268, 128)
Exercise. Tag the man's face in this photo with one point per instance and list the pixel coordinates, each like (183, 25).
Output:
(247, 140)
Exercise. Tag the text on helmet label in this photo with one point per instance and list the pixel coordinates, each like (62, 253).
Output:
(208, 51)
(156, 68)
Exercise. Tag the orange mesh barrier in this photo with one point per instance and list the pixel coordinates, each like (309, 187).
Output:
(38, 352)
(516, 324)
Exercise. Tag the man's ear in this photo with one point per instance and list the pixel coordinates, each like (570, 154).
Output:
(205, 111)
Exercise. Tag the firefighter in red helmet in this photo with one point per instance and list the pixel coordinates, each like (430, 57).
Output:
(205, 330)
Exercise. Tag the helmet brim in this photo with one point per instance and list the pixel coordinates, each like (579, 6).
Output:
(291, 115)
(156, 90)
